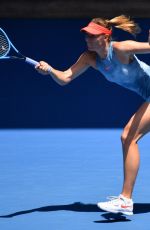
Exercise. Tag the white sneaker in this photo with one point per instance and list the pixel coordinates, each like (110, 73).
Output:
(117, 204)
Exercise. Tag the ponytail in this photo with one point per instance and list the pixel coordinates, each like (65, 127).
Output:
(124, 23)
(121, 22)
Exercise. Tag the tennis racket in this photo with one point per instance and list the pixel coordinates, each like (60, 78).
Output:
(9, 51)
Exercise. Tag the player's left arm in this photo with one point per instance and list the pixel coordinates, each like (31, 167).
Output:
(131, 47)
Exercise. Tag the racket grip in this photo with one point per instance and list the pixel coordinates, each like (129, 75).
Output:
(34, 63)
(31, 61)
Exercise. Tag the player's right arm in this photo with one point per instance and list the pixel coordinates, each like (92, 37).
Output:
(64, 77)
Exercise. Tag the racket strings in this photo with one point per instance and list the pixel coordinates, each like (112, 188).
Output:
(4, 44)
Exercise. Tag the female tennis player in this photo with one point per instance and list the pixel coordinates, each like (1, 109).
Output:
(118, 62)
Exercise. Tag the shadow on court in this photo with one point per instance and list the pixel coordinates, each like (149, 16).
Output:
(75, 207)
(80, 207)
(111, 218)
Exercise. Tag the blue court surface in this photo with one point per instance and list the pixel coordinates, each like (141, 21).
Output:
(53, 178)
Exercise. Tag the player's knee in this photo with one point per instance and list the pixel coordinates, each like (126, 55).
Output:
(128, 138)
(124, 136)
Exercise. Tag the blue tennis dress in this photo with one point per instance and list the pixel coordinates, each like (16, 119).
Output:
(134, 76)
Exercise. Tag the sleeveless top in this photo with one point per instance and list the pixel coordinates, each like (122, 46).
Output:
(134, 76)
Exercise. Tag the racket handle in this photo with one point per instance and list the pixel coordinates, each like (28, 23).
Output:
(31, 61)
(34, 63)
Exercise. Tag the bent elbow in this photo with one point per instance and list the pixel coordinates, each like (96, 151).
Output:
(66, 81)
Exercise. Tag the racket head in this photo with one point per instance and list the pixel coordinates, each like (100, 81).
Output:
(5, 44)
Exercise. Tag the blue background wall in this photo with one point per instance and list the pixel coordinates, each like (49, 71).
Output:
(30, 100)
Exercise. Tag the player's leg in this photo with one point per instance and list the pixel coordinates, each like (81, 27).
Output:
(138, 126)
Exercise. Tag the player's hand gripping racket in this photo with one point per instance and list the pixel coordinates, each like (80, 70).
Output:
(9, 51)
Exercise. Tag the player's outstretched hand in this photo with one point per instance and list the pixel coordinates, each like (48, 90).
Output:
(43, 68)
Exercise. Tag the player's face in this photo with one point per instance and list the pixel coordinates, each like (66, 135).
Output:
(95, 42)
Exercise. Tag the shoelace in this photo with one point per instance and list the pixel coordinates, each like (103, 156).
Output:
(113, 199)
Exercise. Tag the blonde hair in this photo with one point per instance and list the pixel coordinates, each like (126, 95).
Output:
(121, 22)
